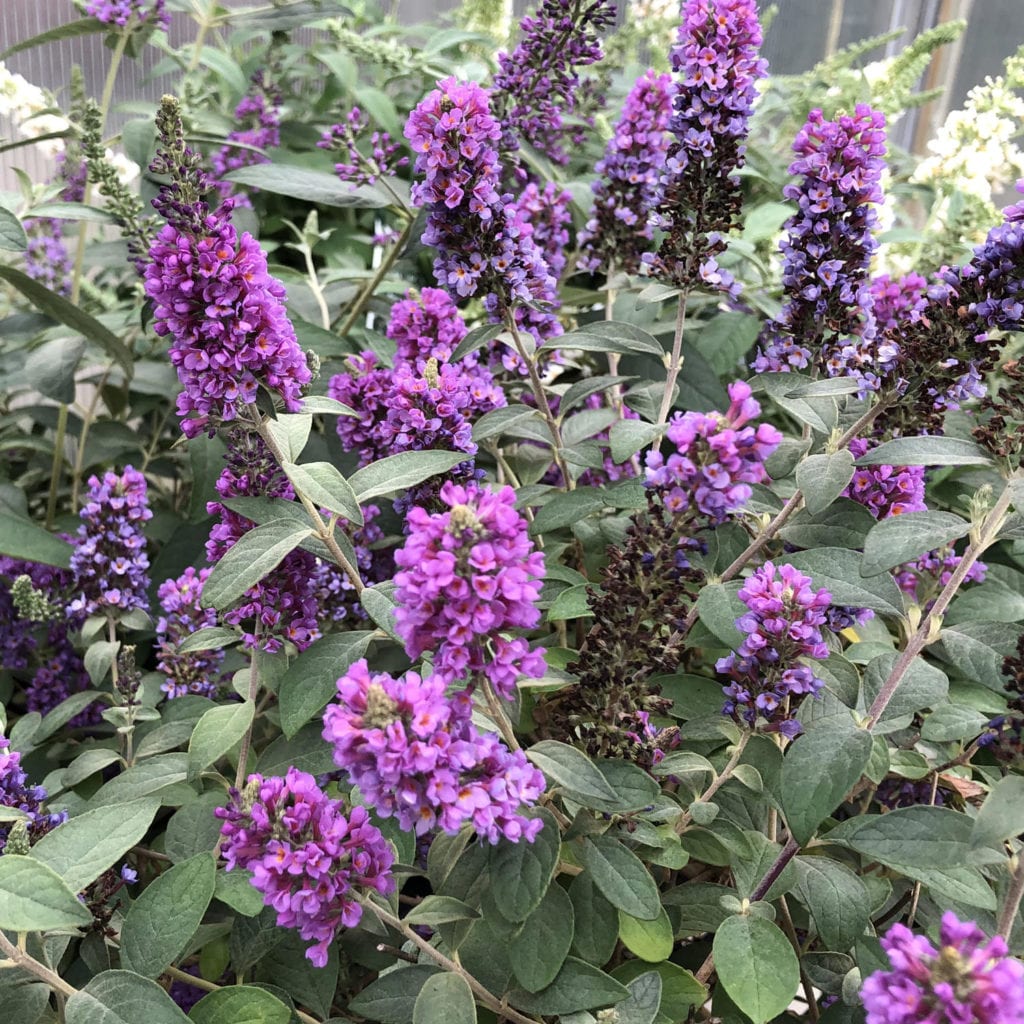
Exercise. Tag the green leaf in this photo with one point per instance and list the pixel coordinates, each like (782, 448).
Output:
(610, 336)
(719, 607)
(70, 315)
(166, 915)
(950, 722)
(51, 368)
(12, 234)
(838, 571)
(210, 638)
(537, 952)
(521, 872)
(380, 605)
(240, 1004)
(400, 472)
(83, 847)
(836, 898)
(756, 965)
(621, 877)
(931, 450)
(476, 338)
(643, 1002)
(649, 940)
(818, 771)
(445, 999)
(74, 211)
(235, 889)
(1001, 815)
(392, 997)
(325, 486)
(20, 538)
(977, 650)
(291, 433)
(571, 769)
(596, 921)
(311, 679)
(142, 780)
(98, 659)
(320, 187)
(120, 997)
(923, 686)
(822, 478)
(909, 837)
(571, 603)
(577, 986)
(568, 508)
(679, 988)
(34, 898)
(326, 406)
(255, 554)
(435, 910)
(305, 750)
(69, 30)
(627, 437)
(900, 539)
(216, 733)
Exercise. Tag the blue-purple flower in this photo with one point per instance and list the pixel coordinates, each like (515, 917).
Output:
(197, 672)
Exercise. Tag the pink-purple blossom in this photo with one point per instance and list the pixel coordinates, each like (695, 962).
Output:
(109, 561)
(783, 624)
(968, 979)
(120, 12)
(196, 672)
(886, 490)
(466, 577)
(356, 167)
(309, 855)
(626, 180)
(717, 458)
(416, 755)
(827, 318)
(698, 202)
(17, 793)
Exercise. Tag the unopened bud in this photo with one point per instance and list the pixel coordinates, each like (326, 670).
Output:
(17, 839)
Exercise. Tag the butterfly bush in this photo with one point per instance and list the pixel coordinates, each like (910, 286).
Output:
(626, 179)
(538, 86)
(467, 575)
(698, 200)
(309, 855)
(122, 12)
(716, 460)
(197, 672)
(479, 249)
(885, 490)
(783, 625)
(18, 794)
(109, 562)
(970, 977)
(826, 254)
(416, 755)
(360, 169)
(259, 111)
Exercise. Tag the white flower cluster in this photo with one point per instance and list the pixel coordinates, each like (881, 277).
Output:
(29, 110)
(975, 151)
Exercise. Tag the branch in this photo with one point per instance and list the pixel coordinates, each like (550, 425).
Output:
(20, 958)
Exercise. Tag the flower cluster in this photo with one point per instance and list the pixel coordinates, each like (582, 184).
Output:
(308, 856)
(283, 605)
(826, 253)
(361, 169)
(716, 460)
(196, 672)
(121, 12)
(885, 490)
(20, 100)
(109, 563)
(427, 325)
(259, 114)
(538, 85)
(698, 198)
(15, 792)
(543, 214)
(626, 180)
(896, 302)
(968, 978)
(467, 574)
(415, 755)
(480, 250)
(925, 577)
(47, 259)
(212, 293)
(783, 624)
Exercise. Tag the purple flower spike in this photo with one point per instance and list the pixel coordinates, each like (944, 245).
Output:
(969, 979)
(481, 250)
(416, 756)
(196, 672)
(828, 320)
(468, 574)
(783, 625)
(17, 793)
(886, 490)
(698, 201)
(717, 458)
(118, 12)
(538, 85)
(360, 169)
(109, 563)
(259, 112)
(626, 180)
(307, 854)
